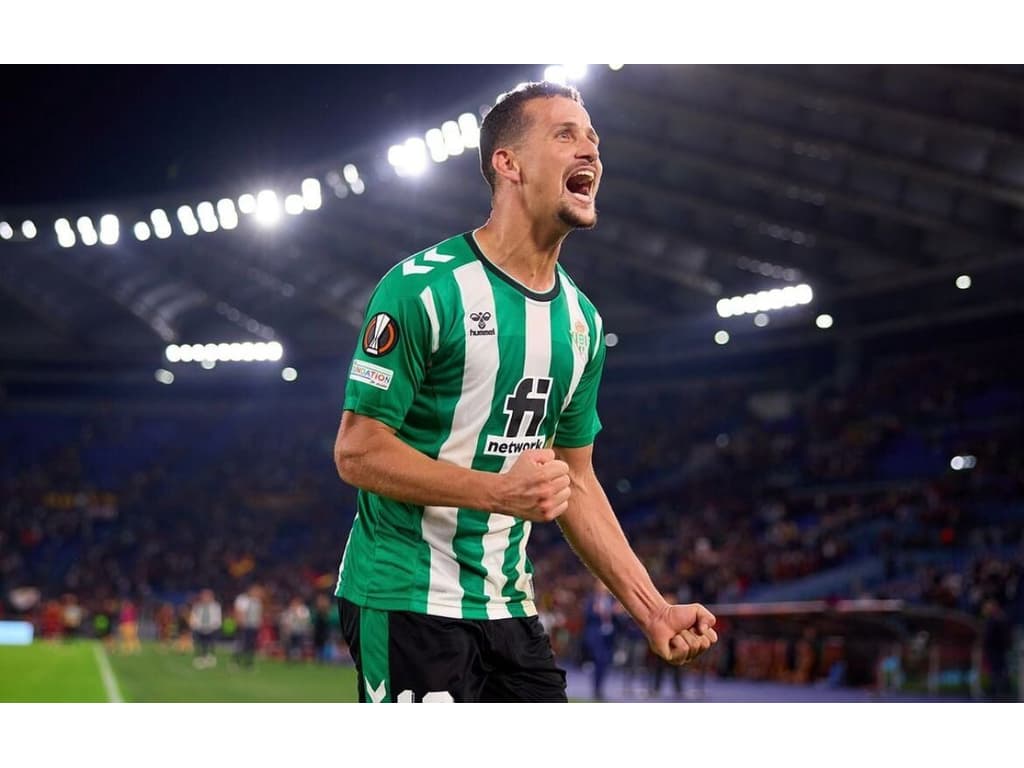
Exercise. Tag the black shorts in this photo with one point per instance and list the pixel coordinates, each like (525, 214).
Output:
(403, 656)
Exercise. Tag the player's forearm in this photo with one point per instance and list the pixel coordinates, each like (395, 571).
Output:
(381, 463)
(592, 529)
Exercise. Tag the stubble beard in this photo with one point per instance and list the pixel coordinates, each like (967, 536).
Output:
(571, 217)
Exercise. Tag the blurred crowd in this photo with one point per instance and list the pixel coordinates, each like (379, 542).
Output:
(731, 487)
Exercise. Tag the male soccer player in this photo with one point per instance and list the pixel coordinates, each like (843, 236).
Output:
(470, 416)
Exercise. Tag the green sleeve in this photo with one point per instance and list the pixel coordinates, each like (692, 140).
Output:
(579, 422)
(391, 354)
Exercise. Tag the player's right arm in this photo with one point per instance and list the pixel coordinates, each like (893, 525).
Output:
(398, 338)
(369, 456)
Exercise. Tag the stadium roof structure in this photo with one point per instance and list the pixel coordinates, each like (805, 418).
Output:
(876, 185)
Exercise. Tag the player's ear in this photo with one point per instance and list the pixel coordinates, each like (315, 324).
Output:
(506, 164)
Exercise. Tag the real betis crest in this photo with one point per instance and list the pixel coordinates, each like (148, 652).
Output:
(580, 337)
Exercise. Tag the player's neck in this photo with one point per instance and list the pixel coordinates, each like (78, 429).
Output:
(524, 252)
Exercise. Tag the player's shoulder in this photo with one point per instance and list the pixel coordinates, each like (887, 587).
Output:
(586, 305)
(427, 267)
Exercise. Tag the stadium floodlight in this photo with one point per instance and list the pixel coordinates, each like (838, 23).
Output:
(453, 142)
(611, 339)
(575, 71)
(823, 321)
(289, 374)
(761, 320)
(227, 214)
(164, 376)
(615, 67)
(556, 74)
(248, 351)
(224, 351)
(6, 230)
(247, 203)
(415, 156)
(141, 230)
(235, 352)
(268, 208)
(259, 351)
(65, 235)
(765, 301)
(185, 353)
(470, 130)
(87, 231)
(187, 220)
(274, 351)
(173, 353)
(293, 205)
(28, 229)
(161, 224)
(311, 195)
(435, 144)
(351, 173)
(358, 187)
(207, 217)
(110, 229)
(721, 337)
(963, 282)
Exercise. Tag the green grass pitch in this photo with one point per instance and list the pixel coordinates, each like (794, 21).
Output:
(56, 672)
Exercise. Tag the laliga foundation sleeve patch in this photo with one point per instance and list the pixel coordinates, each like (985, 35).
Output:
(381, 335)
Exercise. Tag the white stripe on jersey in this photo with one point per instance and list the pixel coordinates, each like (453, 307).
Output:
(480, 370)
(537, 363)
(572, 300)
(427, 297)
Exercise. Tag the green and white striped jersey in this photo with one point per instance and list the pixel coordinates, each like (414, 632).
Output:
(470, 367)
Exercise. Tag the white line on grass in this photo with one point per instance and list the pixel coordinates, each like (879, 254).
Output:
(109, 681)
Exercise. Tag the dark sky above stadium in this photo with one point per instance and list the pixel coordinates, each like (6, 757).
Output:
(74, 133)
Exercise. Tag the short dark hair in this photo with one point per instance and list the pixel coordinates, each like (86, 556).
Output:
(505, 122)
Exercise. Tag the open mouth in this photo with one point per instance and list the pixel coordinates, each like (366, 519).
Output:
(581, 185)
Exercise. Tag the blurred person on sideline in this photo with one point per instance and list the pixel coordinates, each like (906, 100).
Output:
(599, 635)
(996, 641)
(128, 628)
(205, 623)
(321, 628)
(72, 616)
(249, 615)
(469, 416)
(296, 626)
(183, 639)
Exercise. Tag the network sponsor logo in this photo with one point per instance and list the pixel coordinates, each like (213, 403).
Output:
(499, 445)
(371, 374)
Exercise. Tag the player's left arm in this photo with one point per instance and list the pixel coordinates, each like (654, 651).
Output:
(677, 633)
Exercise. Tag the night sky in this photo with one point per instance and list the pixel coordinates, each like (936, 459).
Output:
(74, 133)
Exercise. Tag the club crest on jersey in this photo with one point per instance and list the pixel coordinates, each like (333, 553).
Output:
(381, 335)
(481, 320)
(580, 337)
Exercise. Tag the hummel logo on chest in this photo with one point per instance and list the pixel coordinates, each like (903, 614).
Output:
(481, 321)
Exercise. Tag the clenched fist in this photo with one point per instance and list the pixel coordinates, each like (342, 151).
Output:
(536, 488)
(681, 633)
